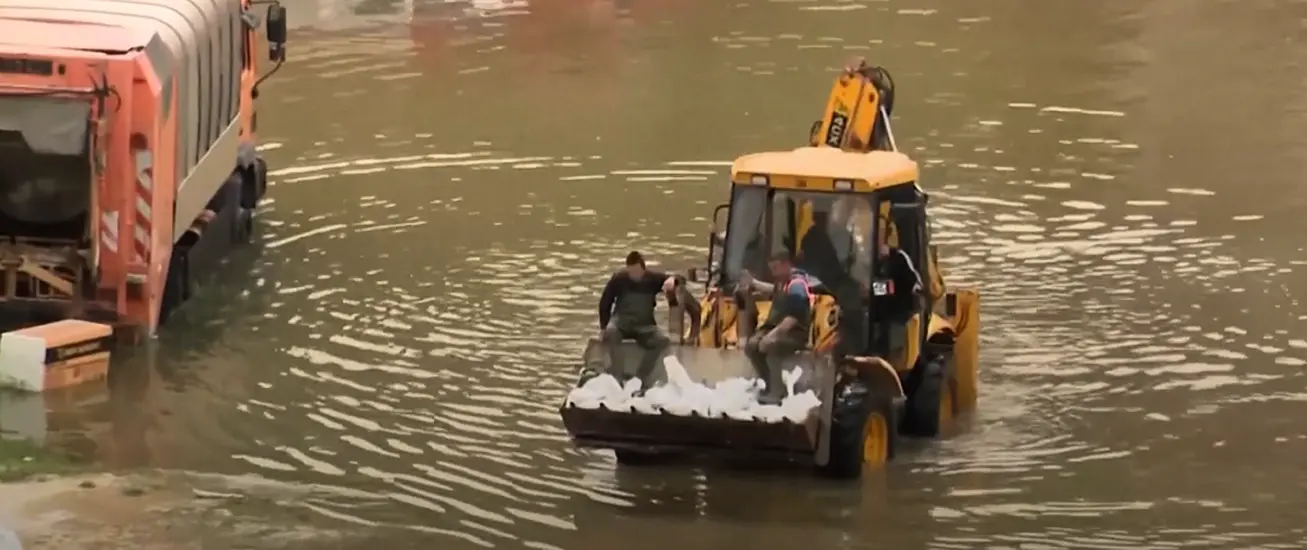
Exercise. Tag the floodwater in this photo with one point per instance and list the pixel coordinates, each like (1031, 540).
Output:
(453, 180)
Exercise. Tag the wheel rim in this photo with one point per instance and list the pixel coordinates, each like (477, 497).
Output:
(875, 441)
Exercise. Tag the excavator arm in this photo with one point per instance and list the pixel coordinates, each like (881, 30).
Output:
(857, 111)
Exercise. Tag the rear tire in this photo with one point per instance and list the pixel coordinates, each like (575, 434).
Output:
(261, 177)
(249, 188)
(243, 226)
(176, 287)
(254, 183)
(863, 431)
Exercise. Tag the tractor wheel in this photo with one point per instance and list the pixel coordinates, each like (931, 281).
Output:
(863, 431)
(932, 404)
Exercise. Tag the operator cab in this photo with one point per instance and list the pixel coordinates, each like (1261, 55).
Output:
(820, 204)
(827, 234)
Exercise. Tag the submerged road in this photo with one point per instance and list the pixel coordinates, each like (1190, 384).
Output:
(453, 181)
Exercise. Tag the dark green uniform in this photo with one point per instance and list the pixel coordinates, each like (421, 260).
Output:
(626, 311)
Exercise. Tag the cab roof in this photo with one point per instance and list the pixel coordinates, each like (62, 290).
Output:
(869, 171)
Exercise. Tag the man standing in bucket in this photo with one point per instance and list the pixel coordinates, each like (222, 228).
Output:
(788, 325)
(626, 311)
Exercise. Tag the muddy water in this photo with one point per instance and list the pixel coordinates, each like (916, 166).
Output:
(453, 180)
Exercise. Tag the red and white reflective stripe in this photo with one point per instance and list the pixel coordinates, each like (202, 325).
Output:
(812, 298)
(109, 231)
(144, 194)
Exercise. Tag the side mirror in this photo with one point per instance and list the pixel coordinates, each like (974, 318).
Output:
(720, 216)
(276, 32)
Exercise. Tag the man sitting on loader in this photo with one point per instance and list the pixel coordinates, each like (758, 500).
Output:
(788, 324)
(626, 310)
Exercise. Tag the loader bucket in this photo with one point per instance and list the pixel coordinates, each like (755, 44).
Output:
(665, 432)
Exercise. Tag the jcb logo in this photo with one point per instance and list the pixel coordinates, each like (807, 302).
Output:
(838, 123)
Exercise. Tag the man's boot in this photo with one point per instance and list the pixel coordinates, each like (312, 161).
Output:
(771, 374)
(648, 363)
(758, 360)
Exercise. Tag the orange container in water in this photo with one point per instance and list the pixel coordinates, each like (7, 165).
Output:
(55, 355)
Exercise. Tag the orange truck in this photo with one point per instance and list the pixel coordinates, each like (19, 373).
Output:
(128, 159)
(127, 150)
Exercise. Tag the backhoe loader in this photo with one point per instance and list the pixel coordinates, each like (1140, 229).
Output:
(878, 376)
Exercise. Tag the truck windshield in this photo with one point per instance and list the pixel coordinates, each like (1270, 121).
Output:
(828, 234)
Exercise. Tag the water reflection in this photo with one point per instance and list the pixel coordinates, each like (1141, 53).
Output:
(454, 180)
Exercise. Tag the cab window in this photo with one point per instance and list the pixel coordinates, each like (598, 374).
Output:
(745, 238)
(835, 235)
(828, 234)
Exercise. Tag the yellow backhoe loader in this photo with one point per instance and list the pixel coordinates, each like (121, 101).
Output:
(877, 376)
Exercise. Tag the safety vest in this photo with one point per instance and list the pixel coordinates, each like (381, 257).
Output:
(778, 309)
(801, 278)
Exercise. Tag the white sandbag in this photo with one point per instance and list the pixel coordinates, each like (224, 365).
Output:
(641, 405)
(660, 397)
(790, 378)
(770, 414)
(796, 408)
(733, 395)
(698, 399)
(734, 398)
(601, 389)
(745, 414)
(677, 376)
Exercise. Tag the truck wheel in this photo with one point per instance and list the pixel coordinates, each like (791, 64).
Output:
(244, 185)
(261, 176)
(863, 431)
(176, 287)
(253, 183)
(244, 226)
(931, 405)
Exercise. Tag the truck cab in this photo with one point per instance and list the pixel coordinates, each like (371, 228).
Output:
(128, 152)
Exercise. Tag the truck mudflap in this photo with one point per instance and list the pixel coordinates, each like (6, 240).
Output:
(603, 427)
